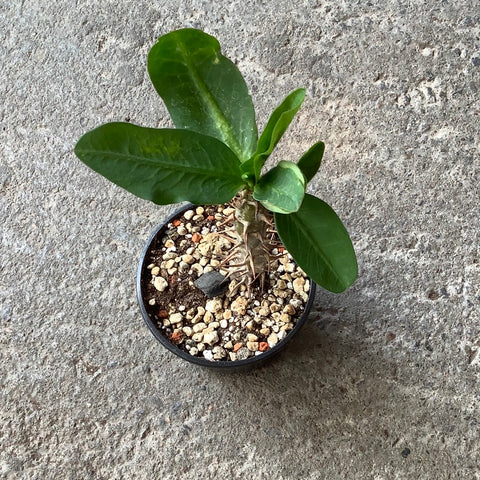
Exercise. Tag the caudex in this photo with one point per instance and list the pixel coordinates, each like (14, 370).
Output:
(214, 155)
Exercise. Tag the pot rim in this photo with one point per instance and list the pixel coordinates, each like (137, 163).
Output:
(215, 364)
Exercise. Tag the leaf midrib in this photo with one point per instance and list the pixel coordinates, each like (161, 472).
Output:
(300, 226)
(159, 163)
(216, 112)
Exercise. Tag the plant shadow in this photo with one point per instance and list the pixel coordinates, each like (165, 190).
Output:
(333, 385)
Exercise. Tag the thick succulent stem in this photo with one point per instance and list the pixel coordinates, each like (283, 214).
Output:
(252, 257)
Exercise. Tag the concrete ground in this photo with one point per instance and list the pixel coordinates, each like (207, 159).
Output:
(383, 383)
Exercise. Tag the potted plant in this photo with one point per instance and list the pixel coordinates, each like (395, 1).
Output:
(214, 159)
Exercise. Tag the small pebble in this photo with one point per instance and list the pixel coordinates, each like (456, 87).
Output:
(189, 259)
(263, 346)
(169, 263)
(243, 353)
(176, 337)
(296, 303)
(272, 339)
(189, 214)
(211, 337)
(219, 352)
(208, 317)
(197, 268)
(214, 305)
(237, 336)
(275, 307)
(208, 354)
(199, 327)
(290, 267)
(197, 337)
(175, 318)
(264, 311)
(187, 331)
(298, 285)
(239, 305)
(160, 284)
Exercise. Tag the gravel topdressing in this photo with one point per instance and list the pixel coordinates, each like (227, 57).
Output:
(229, 327)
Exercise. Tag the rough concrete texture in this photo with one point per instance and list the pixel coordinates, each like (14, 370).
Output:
(383, 383)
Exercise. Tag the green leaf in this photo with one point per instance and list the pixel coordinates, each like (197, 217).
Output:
(203, 90)
(281, 189)
(311, 160)
(276, 127)
(319, 243)
(162, 165)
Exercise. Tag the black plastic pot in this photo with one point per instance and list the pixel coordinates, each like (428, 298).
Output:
(217, 364)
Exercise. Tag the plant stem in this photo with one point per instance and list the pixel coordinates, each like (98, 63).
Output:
(251, 224)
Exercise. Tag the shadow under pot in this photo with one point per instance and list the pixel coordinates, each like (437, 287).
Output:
(202, 313)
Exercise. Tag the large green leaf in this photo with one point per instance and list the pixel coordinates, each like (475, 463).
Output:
(162, 165)
(203, 90)
(281, 189)
(275, 128)
(311, 160)
(319, 243)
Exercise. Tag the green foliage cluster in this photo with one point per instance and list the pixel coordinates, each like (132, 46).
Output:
(215, 152)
